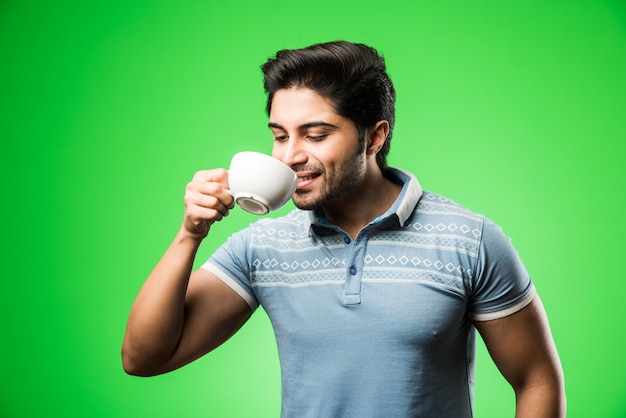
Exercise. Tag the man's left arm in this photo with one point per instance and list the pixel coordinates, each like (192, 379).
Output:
(523, 349)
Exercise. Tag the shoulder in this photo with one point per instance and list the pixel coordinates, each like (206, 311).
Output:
(277, 231)
(293, 217)
(289, 224)
(437, 213)
(436, 203)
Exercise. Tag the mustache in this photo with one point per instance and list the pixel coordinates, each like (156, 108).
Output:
(305, 167)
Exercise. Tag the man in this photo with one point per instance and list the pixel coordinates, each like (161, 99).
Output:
(374, 287)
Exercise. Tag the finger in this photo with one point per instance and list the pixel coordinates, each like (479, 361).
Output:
(218, 175)
(209, 195)
(220, 203)
(198, 215)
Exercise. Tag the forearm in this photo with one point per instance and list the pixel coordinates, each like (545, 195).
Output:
(541, 401)
(156, 320)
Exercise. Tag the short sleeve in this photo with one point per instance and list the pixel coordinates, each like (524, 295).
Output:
(501, 285)
(230, 264)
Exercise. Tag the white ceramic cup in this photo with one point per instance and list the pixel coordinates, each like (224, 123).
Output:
(260, 183)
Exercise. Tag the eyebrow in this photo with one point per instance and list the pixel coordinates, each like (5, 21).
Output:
(305, 126)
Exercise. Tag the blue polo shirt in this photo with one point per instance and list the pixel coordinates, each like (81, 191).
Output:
(378, 326)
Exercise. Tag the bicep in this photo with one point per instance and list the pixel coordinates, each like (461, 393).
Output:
(213, 313)
(522, 347)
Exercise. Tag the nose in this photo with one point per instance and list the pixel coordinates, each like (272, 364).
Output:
(290, 152)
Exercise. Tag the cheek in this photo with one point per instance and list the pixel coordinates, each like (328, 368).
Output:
(278, 151)
(330, 156)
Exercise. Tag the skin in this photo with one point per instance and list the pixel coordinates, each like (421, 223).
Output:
(334, 171)
(522, 348)
(180, 315)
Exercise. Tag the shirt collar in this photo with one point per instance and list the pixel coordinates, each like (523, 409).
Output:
(402, 207)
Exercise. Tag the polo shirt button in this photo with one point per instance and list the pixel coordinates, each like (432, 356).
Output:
(346, 239)
(352, 270)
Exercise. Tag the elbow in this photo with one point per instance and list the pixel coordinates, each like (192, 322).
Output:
(132, 368)
(135, 369)
(134, 365)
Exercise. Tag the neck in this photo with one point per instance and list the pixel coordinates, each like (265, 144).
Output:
(366, 202)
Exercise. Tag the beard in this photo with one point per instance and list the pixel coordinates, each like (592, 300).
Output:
(344, 181)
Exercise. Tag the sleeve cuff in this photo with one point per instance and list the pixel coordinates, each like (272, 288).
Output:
(233, 284)
(510, 310)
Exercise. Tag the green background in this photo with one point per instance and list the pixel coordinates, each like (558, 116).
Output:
(517, 111)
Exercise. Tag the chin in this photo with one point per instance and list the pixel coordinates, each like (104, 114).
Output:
(306, 204)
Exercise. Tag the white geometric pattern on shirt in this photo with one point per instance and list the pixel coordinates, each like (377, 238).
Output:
(421, 244)
(377, 268)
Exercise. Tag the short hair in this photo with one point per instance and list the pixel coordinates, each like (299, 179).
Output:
(352, 76)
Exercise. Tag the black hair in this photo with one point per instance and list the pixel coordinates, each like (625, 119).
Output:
(352, 76)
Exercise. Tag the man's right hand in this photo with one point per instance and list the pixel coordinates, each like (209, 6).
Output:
(207, 200)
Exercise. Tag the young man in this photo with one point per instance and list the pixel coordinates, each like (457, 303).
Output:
(374, 287)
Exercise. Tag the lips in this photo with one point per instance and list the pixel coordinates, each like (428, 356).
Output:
(306, 179)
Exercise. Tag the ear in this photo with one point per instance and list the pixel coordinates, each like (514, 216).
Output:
(377, 135)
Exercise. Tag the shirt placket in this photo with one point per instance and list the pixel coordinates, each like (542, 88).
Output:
(354, 271)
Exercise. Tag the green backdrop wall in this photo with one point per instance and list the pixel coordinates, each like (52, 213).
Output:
(514, 109)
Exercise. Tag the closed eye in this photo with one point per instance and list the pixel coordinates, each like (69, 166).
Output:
(317, 137)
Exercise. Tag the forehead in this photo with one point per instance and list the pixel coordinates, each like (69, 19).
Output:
(300, 105)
